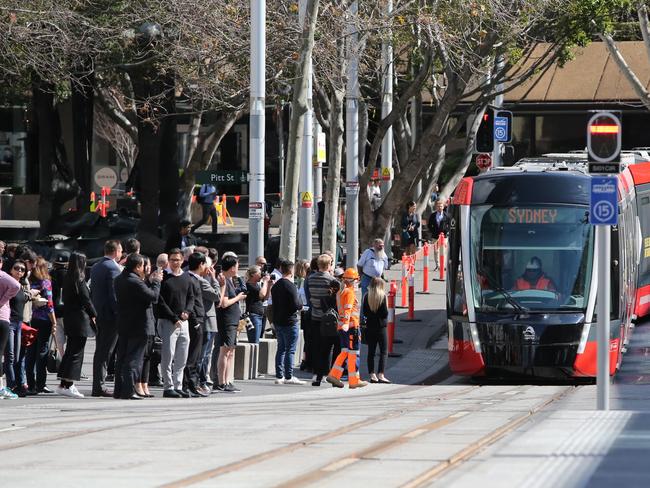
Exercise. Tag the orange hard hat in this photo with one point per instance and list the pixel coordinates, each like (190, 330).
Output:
(351, 274)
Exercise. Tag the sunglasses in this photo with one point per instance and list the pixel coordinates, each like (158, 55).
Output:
(19, 268)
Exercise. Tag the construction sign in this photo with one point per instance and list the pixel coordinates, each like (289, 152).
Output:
(386, 174)
(306, 199)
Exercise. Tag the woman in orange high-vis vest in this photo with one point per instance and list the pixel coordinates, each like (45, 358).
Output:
(348, 328)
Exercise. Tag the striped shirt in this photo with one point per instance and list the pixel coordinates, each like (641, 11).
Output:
(317, 286)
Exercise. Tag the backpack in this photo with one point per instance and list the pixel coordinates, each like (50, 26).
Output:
(329, 323)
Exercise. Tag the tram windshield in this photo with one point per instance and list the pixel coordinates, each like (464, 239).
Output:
(531, 258)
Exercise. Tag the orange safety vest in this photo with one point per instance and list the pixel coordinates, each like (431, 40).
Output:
(348, 307)
(543, 283)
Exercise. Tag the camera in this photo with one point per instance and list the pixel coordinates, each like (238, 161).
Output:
(249, 324)
(266, 269)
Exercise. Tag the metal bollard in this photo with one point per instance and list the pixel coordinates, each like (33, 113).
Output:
(425, 269)
(391, 318)
(441, 256)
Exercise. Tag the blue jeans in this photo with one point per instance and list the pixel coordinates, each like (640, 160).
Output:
(255, 333)
(287, 341)
(208, 342)
(12, 353)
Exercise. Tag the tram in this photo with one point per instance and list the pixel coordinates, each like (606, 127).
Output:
(521, 289)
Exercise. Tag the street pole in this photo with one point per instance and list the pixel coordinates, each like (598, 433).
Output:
(498, 104)
(352, 142)
(256, 134)
(387, 108)
(318, 164)
(305, 186)
(603, 240)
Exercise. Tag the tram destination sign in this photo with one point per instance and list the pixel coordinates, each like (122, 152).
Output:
(604, 168)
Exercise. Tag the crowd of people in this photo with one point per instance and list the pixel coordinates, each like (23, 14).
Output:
(175, 323)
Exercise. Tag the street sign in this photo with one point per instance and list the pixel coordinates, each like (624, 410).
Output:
(604, 138)
(386, 174)
(484, 161)
(604, 200)
(222, 177)
(306, 199)
(351, 187)
(256, 210)
(503, 126)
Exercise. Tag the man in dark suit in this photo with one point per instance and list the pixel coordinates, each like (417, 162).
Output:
(182, 238)
(136, 293)
(439, 223)
(102, 276)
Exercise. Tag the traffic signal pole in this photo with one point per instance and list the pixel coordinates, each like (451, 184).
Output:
(498, 104)
(352, 141)
(256, 132)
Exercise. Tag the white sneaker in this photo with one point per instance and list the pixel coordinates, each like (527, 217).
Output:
(293, 381)
(7, 394)
(279, 381)
(75, 392)
(71, 392)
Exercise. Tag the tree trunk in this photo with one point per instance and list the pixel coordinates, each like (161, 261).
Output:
(299, 108)
(331, 197)
(201, 158)
(82, 127)
(56, 183)
(147, 164)
(451, 185)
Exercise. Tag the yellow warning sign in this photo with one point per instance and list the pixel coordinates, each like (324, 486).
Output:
(306, 199)
(386, 174)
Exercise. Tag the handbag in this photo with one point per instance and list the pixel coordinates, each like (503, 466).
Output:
(27, 335)
(53, 356)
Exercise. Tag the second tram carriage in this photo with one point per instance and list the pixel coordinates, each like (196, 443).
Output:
(521, 289)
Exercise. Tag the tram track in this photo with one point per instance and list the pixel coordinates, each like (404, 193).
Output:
(252, 408)
(310, 441)
(475, 447)
(396, 441)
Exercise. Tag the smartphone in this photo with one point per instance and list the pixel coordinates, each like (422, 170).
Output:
(217, 269)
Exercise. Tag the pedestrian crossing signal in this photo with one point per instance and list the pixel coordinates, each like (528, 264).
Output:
(485, 134)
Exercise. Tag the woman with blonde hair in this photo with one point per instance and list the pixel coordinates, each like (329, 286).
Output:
(376, 311)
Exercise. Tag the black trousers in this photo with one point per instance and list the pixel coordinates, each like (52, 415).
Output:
(4, 337)
(374, 338)
(327, 349)
(105, 344)
(208, 210)
(146, 361)
(128, 365)
(36, 355)
(312, 342)
(73, 359)
(191, 372)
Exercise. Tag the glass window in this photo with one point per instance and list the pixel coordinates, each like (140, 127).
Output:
(531, 258)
